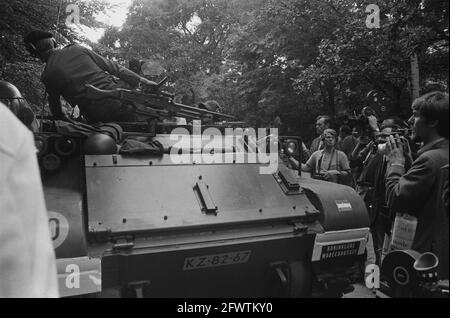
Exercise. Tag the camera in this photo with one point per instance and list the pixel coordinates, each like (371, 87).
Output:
(381, 139)
(318, 176)
(361, 122)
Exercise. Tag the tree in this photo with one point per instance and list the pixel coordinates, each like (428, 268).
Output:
(189, 39)
(265, 58)
(17, 18)
(362, 59)
(281, 41)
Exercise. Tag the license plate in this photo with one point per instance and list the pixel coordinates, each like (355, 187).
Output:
(216, 260)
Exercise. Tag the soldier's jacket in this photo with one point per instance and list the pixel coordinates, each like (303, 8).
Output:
(68, 70)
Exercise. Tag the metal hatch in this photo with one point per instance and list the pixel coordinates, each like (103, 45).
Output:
(142, 194)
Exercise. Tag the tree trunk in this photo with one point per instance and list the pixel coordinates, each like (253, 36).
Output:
(331, 104)
(397, 101)
(415, 88)
(327, 92)
(324, 96)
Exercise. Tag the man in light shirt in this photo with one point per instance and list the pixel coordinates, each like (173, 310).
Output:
(27, 257)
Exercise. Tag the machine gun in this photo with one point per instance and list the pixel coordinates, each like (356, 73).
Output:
(154, 104)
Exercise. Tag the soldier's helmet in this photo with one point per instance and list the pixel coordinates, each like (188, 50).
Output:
(100, 144)
(13, 99)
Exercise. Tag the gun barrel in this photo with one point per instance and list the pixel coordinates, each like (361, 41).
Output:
(157, 103)
(202, 111)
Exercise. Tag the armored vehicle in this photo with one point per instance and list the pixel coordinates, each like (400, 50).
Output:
(166, 221)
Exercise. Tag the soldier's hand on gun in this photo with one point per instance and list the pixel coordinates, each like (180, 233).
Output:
(149, 85)
(395, 150)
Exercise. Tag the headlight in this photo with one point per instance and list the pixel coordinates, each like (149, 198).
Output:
(51, 162)
(65, 146)
(291, 147)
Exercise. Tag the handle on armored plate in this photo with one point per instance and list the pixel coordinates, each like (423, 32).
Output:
(206, 200)
(282, 277)
(288, 179)
(280, 271)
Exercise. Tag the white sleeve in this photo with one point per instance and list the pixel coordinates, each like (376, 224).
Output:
(27, 258)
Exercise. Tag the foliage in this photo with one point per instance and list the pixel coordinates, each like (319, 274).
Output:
(188, 37)
(261, 58)
(324, 50)
(356, 59)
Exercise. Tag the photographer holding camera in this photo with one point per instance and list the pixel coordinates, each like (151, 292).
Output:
(418, 190)
(371, 183)
(329, 163)
(365, 129)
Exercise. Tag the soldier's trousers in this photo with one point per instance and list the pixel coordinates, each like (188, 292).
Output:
(108, 110)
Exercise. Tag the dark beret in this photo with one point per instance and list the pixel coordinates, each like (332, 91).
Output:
(37, 35)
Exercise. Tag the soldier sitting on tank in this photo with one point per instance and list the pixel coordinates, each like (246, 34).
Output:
(68, 70)
(13, 99)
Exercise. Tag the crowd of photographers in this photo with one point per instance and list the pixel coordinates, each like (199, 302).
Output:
(398, 167)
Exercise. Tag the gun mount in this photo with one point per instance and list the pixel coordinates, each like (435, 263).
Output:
(153, 105)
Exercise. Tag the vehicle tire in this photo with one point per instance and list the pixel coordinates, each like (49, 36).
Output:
(301, 277)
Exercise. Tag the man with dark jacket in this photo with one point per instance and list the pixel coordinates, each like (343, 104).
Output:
(68, 70)
(322, 122)
(371, 186)
(418, 192)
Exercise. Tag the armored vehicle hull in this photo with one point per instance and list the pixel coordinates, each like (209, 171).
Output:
(152, 226)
